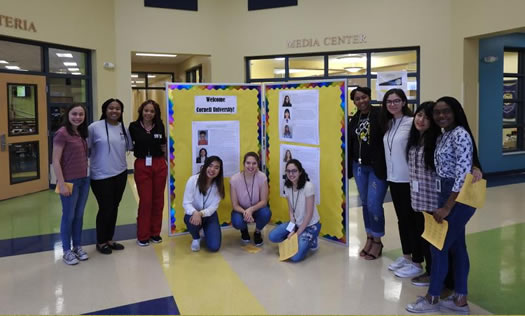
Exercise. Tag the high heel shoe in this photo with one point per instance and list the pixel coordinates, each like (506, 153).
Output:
(376, 245)
(367, 247)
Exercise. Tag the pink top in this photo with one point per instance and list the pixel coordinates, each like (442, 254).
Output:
(243, 189)
(74, 157)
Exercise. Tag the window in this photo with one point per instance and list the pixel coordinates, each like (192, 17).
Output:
(20, 57)
(194, 74)
(513, 108)
(358, 67)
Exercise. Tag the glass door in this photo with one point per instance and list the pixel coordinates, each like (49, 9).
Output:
(23, 135)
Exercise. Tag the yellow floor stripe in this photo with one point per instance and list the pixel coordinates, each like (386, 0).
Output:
(203, 282)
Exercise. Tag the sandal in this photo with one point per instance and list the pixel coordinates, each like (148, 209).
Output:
(367, 247)
(370, 255)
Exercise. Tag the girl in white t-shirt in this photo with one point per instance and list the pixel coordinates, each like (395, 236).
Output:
(304, 218)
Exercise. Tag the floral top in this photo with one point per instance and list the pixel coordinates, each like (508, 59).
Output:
(453, 156)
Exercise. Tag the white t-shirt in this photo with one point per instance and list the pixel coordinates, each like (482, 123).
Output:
(107, 158)
(395, 142)
(194, 200)
(299, 202)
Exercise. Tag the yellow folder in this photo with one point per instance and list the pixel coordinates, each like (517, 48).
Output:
(473, 194)
(435, 233)
(288, 248)
(69, 186)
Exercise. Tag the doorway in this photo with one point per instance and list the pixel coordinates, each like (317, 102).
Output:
(23, 135)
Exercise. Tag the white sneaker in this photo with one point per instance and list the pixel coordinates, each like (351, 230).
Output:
(399, 263)
(80, 253)
(196, 245)
(70, 258)
(421, 305)
(447, 305)
(409, 270)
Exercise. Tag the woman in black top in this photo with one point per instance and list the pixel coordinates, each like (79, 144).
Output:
(149, 142)
(366, 163)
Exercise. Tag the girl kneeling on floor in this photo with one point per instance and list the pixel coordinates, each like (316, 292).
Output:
(304, 217)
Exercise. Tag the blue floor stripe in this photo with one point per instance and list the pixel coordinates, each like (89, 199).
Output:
(494, 180)
(25, 245)
(159, 306)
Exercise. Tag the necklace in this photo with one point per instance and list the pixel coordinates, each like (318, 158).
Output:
(147, 129)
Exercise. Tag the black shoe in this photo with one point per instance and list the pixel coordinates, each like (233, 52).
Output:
(105, 249)
(257, 238)
(116, 246)
(245, 236)
(156, 239)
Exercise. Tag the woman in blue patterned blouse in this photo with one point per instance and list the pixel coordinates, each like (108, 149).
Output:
(453, 159)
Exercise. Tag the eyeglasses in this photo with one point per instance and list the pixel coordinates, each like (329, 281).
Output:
(394, 102)
(291, 171)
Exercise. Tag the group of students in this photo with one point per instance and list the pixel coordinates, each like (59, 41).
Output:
(107, 141)
(423, 159)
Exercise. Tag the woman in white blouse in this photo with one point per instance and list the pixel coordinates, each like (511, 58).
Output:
(202, 196)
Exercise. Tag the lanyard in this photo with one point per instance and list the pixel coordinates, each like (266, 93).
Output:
(246, 184)
(390, 142)
(294, 205)
(206, 196)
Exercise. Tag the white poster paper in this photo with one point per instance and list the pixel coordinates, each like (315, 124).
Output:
(215, 104)
(390, 80)
(216, 138)
(299, 116)
(310, 158)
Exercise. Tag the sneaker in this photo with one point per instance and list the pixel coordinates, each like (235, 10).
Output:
(196, 245)
(257, 238)
(156, 239)
(448, 305)
(143, 243)
(399, 263)
(245, 236)
(70, 258)
(408, 271)
(422, 280)
(421, 305)
(104, 249)
(315, 244)
(80, 253)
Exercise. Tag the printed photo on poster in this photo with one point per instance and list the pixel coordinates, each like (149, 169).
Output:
(510, 92)
(310, 158)
(299, 116)
(387, 80)
(216, 138)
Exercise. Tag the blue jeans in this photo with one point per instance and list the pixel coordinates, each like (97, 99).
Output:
(73, 213)
(212, 230)
(454, 242)
(261, 216)
(372, 191)
(307, 239)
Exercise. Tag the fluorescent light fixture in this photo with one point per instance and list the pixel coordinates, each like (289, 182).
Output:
(4, 62)
(279, 58)
(155, 55)
(65, 55)
(353, 69)
(73, 69)
(12, 67)
(76, 73)
(70, 63)
(133, 85)
(134, 75)
(139, 81)
(151, 76)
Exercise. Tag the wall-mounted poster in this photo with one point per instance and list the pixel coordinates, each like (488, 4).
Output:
(387, 80)
(310, 158)
(510, 92)
(299, 116)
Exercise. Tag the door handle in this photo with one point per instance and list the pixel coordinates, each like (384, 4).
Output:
(2, 142)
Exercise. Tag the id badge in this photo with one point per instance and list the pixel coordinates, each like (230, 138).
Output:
(438, 185)
(415, 186)
(291, 227)
(149, 161)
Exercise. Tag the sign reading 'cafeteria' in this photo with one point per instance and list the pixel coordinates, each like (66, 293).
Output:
(327, 41)
(17, 23)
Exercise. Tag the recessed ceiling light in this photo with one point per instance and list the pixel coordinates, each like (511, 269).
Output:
(73, 69)
(76, 73)
(151, 76)
(353, 69)
(134, 75)
(12, 67)
(279, 58)
(155, 55)
(139, 81)
(4, 62)
(70, 63)
(65, 55)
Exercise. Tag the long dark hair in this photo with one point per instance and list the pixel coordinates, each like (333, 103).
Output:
(429, 137)
(386, 116)
(104, 116)
(82, 129)
(460, 119)
(157, 120)
(219, 179)
(302, 178)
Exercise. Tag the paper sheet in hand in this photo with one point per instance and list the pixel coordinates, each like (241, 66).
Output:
(473, 194)
(69, 186)
(288, 248)
(435, 233)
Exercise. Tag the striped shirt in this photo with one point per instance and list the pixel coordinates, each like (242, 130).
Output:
(74, 156)
(423, 181)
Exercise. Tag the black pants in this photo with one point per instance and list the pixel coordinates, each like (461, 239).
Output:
(108, 193)
(406, 220)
